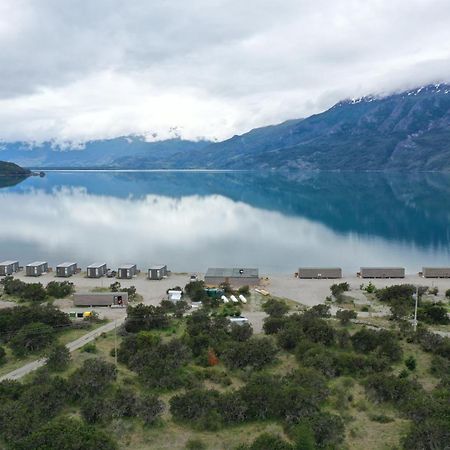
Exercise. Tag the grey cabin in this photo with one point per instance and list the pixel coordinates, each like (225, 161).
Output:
(96, 270)
(382, 272)
(100, 299)
(320, 272)
(235, 277)
(436, 272)
(37, 268)
(157, 272)
(127, 271)
(8, 268)
(66, 269)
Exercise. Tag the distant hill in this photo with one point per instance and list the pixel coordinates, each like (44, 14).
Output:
(11, 169)
(12, 174)
(409, 131)
(125, 151)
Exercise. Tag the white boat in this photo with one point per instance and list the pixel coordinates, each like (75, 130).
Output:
(225, 299)
(234, 299)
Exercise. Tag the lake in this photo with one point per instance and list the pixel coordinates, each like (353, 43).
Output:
(195, 220)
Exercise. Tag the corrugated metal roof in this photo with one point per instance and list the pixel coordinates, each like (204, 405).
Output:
(96, 265)
(7, 263)
(232, 272)
(36, 263)
(66, 264)
(127, 266)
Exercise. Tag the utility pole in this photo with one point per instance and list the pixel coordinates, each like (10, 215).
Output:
(415, 309)
(115, 341)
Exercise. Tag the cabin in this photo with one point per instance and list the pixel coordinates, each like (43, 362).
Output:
(436, 272)
(127, 271)
(36, 268)
(235, 277)
(96, 270)
(382, 272)
(157, 272)
(66, 269)
(319, 272)
(8, 268)
(113, 299)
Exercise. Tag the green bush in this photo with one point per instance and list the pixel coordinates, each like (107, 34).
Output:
(32, 338)
(58, 289)
(411, 363)
(2, 355)
(345, 316)
(89, 348)
(275, 308)
(58, 358)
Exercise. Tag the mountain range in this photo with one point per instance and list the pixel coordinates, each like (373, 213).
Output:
(407, 131)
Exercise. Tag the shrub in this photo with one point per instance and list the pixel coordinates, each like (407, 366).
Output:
(150, 408)
(195, 444)
(255, 353)
(2, 355)
(89, 348)
(411, 363)
(447, 293)
(433, 313)
(68, 433)
(272, 325)
(60, 289)
(58, 358)
(31, 338)
(267, 441)
(345, 315)
(275, 308)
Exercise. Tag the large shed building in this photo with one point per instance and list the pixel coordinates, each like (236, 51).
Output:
(436, 272)
(235, 277)
(96, 270)
(66, 269)
(8, 268)
(127, 271)
(157, 272)
(320, 272)
(382, 272)
(36, 268)
(100, 299)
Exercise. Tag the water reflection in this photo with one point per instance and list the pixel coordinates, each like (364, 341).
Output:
(195, 220)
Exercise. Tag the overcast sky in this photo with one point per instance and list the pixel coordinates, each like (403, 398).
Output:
(85, 69)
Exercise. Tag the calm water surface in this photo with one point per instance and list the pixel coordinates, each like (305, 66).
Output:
(193, 220)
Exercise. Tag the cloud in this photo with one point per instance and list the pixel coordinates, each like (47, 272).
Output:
(189, 233)
(84, 70)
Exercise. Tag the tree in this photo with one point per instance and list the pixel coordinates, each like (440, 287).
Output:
(33, 292)
(431, 434)
(241, 332)
(2, 355)
(411, 363)
(433, 313)
(303, 437)
(338, 289)
(60, 289)
(58, 358)
(275, 308)
(244, 290)
(31, 338)
(255, 353)
(272, 325)
(150, 408)
(268, 441)
(70, 434)
(92, 378)
(447, 293)
(345, 315)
